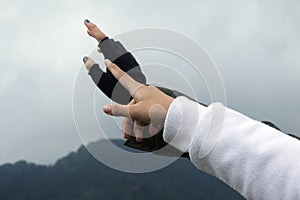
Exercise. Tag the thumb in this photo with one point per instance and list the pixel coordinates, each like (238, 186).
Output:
(117, 110)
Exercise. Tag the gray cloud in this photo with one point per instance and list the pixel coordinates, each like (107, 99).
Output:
(254, 44)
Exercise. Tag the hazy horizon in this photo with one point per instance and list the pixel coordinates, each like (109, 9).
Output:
(255, 45)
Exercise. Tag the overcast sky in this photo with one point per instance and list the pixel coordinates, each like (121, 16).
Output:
(255, 44)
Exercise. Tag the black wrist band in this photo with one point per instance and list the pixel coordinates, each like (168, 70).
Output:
(104, 39)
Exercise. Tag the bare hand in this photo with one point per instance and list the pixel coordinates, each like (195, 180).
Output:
(94, 31)
(149, 105)
(89, 62)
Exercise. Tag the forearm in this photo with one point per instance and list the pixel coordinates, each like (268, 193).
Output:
(258, 161)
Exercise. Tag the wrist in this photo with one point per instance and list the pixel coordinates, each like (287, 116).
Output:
(181, 122)
(101, 37)
(168, 103)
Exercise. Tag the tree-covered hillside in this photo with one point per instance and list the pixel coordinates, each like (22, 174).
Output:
(80, 176)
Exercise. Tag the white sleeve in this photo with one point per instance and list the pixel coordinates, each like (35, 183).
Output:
(256, 160)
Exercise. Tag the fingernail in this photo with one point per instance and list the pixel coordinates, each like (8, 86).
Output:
(107, 62)
(126, 136)
(107, 108)
(88, 21)
(139, 139)
(85, 59)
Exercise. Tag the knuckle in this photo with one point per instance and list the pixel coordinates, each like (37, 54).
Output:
(92, 25)
(152, 88)
(133, 114)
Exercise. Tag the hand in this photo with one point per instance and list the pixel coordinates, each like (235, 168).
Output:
(94, 31)
(89, 62)
(149, 104)
(135, 128)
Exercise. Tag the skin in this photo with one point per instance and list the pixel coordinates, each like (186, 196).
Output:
(97, 34)
(94, 31)
(149, 105)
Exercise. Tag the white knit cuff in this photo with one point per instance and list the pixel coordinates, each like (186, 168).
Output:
(181, 122)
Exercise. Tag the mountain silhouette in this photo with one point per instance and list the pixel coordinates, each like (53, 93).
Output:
(80, 176)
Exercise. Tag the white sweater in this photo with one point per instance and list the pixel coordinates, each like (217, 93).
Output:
(256, 160)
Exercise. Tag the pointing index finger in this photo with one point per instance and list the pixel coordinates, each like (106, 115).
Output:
(126, 81)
